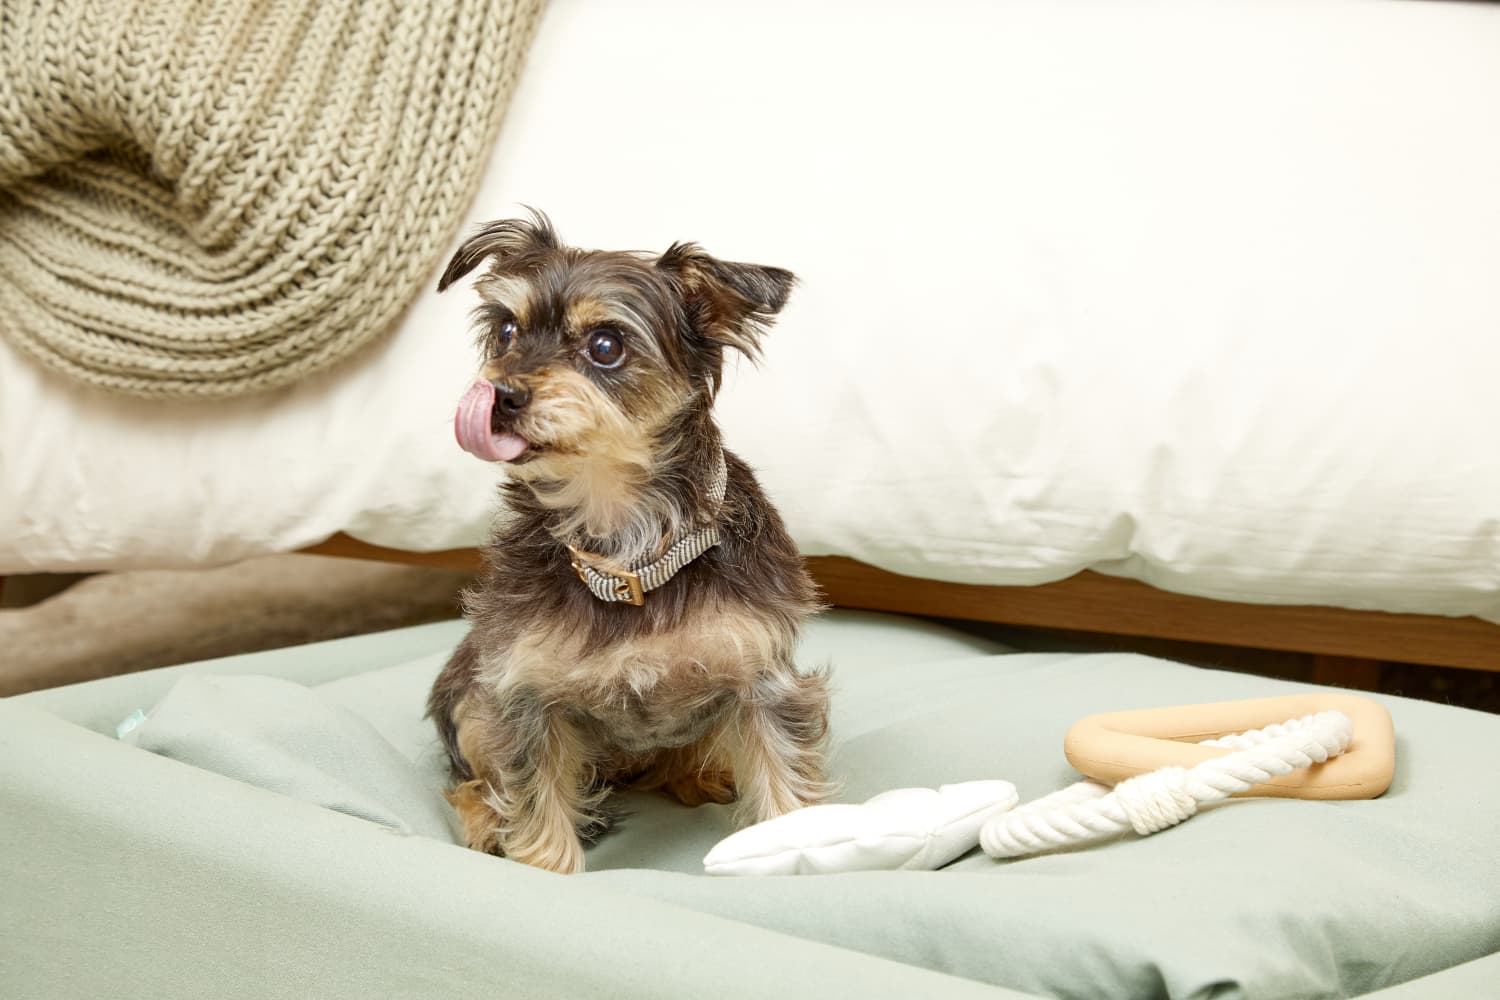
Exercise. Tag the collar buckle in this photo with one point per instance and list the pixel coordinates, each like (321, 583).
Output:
(628, 587)
(624, 584)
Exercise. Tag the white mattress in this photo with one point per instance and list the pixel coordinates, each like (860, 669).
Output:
(1201, 294)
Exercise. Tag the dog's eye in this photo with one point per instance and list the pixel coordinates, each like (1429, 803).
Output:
(505, 332)
(606, 349)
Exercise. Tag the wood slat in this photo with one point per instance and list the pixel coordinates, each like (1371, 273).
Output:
(1090, 602)
(1347, 672)
(344, 547)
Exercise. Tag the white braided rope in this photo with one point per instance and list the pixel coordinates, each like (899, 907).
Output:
(1089, 811)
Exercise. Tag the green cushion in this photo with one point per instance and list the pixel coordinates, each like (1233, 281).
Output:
(1255, 897)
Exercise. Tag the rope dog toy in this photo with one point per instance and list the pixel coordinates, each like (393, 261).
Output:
(1156, 800)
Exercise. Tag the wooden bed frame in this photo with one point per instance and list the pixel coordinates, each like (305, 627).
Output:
(1348, 646)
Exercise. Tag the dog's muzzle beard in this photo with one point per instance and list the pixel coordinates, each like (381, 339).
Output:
(491, 423)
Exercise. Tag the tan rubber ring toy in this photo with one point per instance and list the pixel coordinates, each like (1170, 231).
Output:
(1117, 745)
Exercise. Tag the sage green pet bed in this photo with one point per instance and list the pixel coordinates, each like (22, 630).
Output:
(275, 828)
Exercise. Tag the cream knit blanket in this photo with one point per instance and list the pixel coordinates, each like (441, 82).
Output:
(214, 197)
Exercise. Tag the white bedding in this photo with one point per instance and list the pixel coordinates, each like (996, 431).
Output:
(1200, 294)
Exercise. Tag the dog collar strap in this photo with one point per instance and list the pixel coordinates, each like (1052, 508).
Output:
(616, 584)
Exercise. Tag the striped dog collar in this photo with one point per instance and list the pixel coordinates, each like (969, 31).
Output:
(614, 583)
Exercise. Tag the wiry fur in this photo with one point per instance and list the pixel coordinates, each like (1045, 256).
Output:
(554, 697)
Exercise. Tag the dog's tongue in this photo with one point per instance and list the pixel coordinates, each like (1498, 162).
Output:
(471, 425)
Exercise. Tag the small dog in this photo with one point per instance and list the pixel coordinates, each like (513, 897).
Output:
(636, 622)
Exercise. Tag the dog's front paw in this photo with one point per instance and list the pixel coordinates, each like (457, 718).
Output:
(481, 824)
(538, 844)
(562, 856)
(702, 787)
(544, 840)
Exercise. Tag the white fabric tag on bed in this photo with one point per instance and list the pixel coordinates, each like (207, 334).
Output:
(909, 829)
(130, 723)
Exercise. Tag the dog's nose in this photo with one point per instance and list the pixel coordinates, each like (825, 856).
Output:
(511, 399)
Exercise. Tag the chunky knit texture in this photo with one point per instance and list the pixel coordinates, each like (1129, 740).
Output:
(214, 197)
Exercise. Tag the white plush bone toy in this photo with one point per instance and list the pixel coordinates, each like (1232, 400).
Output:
(911, 829)
(1150, 770)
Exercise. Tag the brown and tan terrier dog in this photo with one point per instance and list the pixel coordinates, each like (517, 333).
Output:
(641, 602)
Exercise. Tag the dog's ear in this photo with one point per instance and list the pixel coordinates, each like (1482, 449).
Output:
(728, 303)
(505, 239)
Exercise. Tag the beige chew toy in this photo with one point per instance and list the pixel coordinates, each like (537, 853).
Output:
(1164, 763)
(1119, 745)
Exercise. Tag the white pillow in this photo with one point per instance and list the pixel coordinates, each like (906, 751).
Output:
(1081, 287)
(909, 829)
